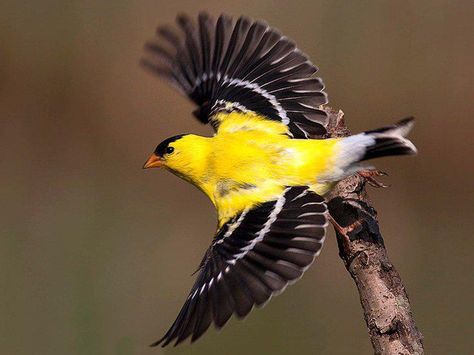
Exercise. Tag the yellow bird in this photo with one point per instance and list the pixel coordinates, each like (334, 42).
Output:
(267, 166)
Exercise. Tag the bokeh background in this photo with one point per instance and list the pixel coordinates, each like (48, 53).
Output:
(96, 254)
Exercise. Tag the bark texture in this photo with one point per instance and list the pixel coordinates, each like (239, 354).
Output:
(384, 300)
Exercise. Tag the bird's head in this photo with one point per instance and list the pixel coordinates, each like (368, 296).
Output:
(183, 154)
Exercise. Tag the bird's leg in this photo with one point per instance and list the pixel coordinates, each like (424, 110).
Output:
(370, 176)
(344, 232)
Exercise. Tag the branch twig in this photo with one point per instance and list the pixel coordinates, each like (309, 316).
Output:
(384, 300)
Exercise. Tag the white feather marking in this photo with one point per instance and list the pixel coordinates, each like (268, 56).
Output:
(306, 105)
(305, 239)
(299, 251)
(300, 195)
(305, 91)
(311, 203)
(304, 226)
(353, 148)
(266, 227)
(297, 80)
(289, 68)
(255, 87)
(349, 151)
(233, 227)
(230, 106)
(307, 214)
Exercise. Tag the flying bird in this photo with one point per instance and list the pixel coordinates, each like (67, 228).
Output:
(267, 167)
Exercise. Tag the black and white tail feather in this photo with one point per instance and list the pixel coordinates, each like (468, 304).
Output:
(254, 256)
(385, 141)
(390, 140)
(245, 66)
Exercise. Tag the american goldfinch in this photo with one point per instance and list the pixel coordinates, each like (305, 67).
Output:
(266, 168)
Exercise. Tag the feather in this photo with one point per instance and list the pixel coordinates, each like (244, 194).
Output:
(247, 66)
(253, 256)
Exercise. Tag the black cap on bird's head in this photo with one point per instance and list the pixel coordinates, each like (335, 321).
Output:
(157, 158)
(162, 148)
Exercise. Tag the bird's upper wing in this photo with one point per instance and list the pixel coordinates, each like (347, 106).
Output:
(245, 66)
(253, 256)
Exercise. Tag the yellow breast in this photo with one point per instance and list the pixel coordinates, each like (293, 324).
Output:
(246, 168)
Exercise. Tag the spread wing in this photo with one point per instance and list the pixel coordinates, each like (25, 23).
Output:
(245, 66)
(253, 256)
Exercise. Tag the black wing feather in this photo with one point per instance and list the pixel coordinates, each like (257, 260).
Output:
(246, 66)
(253, 256)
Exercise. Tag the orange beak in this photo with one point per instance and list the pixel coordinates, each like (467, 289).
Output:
(153, 162)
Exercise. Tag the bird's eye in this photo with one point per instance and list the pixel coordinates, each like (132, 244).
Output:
(169, 150)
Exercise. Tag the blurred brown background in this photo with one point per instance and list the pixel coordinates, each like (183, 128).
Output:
(96, 254)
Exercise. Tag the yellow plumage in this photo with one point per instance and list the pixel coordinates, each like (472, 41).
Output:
(250, 160)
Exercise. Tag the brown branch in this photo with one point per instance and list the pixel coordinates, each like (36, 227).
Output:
(384, 300)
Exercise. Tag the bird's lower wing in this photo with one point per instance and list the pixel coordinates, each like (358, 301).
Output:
(254, 255)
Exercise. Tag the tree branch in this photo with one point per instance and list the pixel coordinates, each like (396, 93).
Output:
(384, 300)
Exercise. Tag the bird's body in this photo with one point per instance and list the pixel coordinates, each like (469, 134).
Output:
(239, 168)
(267, 167)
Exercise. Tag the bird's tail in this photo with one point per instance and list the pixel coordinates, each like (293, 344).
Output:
(389, 140)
